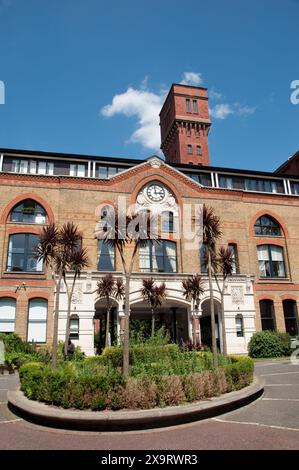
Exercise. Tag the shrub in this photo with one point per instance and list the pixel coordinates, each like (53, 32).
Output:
(285, 339)
(139, 394)
(266, 344)
(239, 373)
(30, 376)
(170, 391)
(13, 343)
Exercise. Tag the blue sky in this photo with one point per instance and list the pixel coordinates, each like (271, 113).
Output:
(87, 76)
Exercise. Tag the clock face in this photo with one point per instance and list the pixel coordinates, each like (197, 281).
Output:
(155, 192)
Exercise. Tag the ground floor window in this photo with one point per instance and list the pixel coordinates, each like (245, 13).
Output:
(290, 316)
(7, 315)
(267, 315)
(240, 325)
(37, 321)
(74, 327)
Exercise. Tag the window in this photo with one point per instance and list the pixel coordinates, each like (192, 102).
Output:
(74, 327)
(294, 188)
(21, 253)
(267, 315)
(198, 150)
(106, 256)
(269, 186)
(188, 105)
(188, 132)
(158, 257)
(239, 326)
(190, 151)
(7, 315)
(267, 226)
(77, 170)
(203, 259)
(226, 182)
(234, 251)
(271, 261)
(28, 212)
(197, 134)
(195, 107)
(290, 316)
(167, 221)
(37, 321)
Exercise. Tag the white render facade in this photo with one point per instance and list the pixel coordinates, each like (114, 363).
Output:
(184, 321)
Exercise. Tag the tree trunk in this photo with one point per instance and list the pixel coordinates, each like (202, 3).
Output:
(107, 326)
(223, 325)
(212, 309)
(56, 318)
(68, 316)
(127, 330)
(153, 322)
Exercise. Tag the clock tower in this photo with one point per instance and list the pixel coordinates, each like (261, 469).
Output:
(185, 124)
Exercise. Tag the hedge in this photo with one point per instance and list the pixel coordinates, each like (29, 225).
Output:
(268, 343)
(94, 385)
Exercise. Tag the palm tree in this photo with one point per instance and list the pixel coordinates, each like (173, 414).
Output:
(225, 262)
(120, 230)
(77, 261)
(211, 232)
(56, 247)
(109, 288)
(193, 289)
(154, 295)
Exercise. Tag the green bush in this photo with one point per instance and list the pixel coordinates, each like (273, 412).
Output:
(269, 344)
(285, 339)
(239, 373)
(13, 343)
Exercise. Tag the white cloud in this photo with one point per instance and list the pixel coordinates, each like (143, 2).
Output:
(192, 78)
(223, 110)
(146, 106)
(215, 95)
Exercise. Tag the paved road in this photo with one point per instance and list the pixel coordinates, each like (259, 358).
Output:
(272, 422)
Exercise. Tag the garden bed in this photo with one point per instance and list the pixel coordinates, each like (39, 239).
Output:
(159, 377)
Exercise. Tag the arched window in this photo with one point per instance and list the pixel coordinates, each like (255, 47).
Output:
(74, 327)
(28, 212)
(290, 316)
(271, 261)
(106, 256)
(22, 253)
(239, 325)
(266, 226)
(158, 256)
(37, 321)
(267, 315)
(7, 315)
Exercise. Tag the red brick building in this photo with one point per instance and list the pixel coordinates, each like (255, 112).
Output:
(258, 210)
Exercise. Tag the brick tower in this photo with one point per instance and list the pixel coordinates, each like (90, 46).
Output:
(185, 124)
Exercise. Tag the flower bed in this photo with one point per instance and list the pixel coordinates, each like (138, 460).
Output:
(96, 383)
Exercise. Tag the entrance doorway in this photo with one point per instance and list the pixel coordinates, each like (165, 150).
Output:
(205, 324)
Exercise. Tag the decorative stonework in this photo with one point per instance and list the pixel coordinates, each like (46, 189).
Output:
(154, 162)
(77, 295)
(237, 293)
(168, 203)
